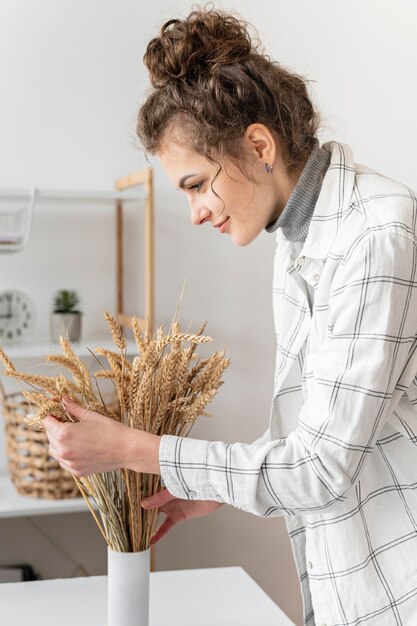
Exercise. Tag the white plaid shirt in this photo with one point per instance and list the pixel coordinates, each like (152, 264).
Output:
(339, 459)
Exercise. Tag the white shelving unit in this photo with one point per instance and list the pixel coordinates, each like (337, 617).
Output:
(37, 349)
(17, 207)
(12, 504)
(137, 186)
(72, 194)
(132, 187)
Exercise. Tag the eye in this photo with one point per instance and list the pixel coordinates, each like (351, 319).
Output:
(197, 186)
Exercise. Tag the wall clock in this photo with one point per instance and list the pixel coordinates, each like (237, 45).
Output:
(17, 316)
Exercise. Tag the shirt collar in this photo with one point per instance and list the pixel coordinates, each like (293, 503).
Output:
(297, 213)
(331, 206)
(333, 201)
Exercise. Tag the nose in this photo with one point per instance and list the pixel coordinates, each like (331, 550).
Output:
(200, 215)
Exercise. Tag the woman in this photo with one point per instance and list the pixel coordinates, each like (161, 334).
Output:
(237, 133)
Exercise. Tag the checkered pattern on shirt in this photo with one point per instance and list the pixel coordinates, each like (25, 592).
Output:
(339, 459)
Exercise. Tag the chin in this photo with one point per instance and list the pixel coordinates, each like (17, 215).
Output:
(243, 239)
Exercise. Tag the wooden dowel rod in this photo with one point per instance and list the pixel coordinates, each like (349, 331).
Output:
(142, 177)
(119, 257)
(149, 252)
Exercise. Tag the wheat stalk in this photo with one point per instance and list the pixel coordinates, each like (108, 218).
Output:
(160, 391)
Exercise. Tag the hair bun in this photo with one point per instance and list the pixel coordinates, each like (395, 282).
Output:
(197, 45)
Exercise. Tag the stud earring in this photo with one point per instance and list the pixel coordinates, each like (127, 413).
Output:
(268, 168)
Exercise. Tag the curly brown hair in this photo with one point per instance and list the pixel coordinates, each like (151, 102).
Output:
(211, 81)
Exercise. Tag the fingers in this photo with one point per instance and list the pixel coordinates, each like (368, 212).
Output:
(78, 473)
(58, 436)
(160, 532)
(65, 466)
(54, 454)
(74, 409)
(52, 426)
(158, 499)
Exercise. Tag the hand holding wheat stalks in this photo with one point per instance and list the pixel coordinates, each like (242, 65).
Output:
(162, 390)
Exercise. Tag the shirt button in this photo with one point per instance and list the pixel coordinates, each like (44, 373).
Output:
(192, 494)
(310, 566)
(316, 278)
(300, 261)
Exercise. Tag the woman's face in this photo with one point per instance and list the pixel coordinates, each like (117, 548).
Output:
(229, 201)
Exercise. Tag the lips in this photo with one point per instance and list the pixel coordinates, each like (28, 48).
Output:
(221, 224)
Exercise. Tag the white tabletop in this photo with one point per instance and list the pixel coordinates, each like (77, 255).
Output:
(224, 596)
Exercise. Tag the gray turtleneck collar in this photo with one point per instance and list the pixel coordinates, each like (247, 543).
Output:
(296, 216)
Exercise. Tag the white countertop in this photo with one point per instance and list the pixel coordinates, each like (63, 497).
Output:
(224, 596)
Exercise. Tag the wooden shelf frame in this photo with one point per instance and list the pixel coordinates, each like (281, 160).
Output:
(140, 178)
(12, 504)
(132, 187)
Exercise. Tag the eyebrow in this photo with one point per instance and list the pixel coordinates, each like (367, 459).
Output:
(183, 179)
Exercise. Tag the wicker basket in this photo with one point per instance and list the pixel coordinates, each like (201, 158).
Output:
(32, 470)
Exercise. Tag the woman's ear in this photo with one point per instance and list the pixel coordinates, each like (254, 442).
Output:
(260, 143)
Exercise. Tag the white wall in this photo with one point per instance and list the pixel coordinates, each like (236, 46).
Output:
(71, 78)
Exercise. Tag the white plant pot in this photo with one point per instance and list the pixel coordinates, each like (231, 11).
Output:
(128, 576)
(67, 325)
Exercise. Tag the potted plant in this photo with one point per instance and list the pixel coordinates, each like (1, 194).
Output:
(66, 318)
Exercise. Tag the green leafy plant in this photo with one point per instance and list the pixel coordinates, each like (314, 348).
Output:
(66, 301)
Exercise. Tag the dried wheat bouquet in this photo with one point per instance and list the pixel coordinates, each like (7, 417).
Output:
(162, 390)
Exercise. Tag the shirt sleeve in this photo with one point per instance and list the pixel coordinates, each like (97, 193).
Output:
(366, 360)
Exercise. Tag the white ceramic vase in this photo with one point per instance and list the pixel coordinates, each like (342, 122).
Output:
(128, 576)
